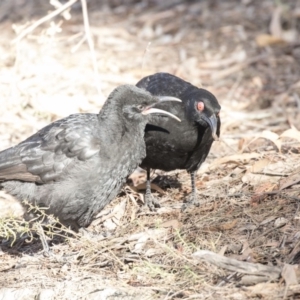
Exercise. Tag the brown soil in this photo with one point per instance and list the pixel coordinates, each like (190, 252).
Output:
(245, 52)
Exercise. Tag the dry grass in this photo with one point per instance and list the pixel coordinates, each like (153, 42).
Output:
(248, 185)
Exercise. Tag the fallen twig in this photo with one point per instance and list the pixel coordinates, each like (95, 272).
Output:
(270, 272)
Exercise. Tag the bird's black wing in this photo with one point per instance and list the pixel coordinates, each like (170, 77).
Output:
(164, 84)
(45, 156)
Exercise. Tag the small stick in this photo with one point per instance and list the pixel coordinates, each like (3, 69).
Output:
(43, 20)
(91, 46)
(234, 265)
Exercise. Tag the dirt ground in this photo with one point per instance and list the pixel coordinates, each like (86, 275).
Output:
(243, 241)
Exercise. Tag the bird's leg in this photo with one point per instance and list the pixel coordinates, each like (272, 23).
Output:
(193, 197)
(150, 200)
(194, 190)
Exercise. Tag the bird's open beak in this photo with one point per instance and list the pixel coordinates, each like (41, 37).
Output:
(213, 123)
(151, 110)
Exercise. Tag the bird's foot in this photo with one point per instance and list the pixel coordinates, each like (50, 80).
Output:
(191, 201)
(151, 202)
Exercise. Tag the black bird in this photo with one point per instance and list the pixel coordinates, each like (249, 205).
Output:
(169, 146)
(77, 165)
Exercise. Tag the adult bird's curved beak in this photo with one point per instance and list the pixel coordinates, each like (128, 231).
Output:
(152, 110)
(213, 124)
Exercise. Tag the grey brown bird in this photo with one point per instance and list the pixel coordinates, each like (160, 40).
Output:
(75, 166)
(170, 146)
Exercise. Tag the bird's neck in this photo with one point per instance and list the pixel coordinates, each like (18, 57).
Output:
(124, 142)
(115, 127)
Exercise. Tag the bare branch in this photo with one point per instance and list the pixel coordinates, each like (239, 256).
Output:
(43, 20)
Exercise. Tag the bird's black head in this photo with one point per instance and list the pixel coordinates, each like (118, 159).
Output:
(204, 109)
(200, 106)
(134, 104)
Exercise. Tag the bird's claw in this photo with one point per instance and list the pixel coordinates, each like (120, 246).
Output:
(191, 201)
(151, 202)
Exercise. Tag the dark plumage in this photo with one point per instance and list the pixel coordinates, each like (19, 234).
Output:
(77, 165)
(170, 146)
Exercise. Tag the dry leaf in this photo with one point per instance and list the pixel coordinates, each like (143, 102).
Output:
(140, 244)
(289, 181)
(264, 288)
(241, 144)
(264, 40)
(247, 252)
(292, 133)
(279, 222)
(228, 225)
(145, 236)
(111, 218)
(109, 224)
(223, 250)
(265, 187)
(152, 252)
(224, 226)
(175, 224)
(279, 168)
(267, 220)
(260, 179)
(259, 165)
(272, 136)
(288, 273)
(262, 188)
(247, 227)
(236, 158)
(141, 238)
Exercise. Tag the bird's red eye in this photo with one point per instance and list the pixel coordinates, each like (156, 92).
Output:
(200, 106)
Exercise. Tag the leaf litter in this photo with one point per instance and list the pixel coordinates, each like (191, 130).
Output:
(249, 185)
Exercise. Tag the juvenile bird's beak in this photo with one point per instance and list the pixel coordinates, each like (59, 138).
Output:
(213, 123)
(151, 110)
